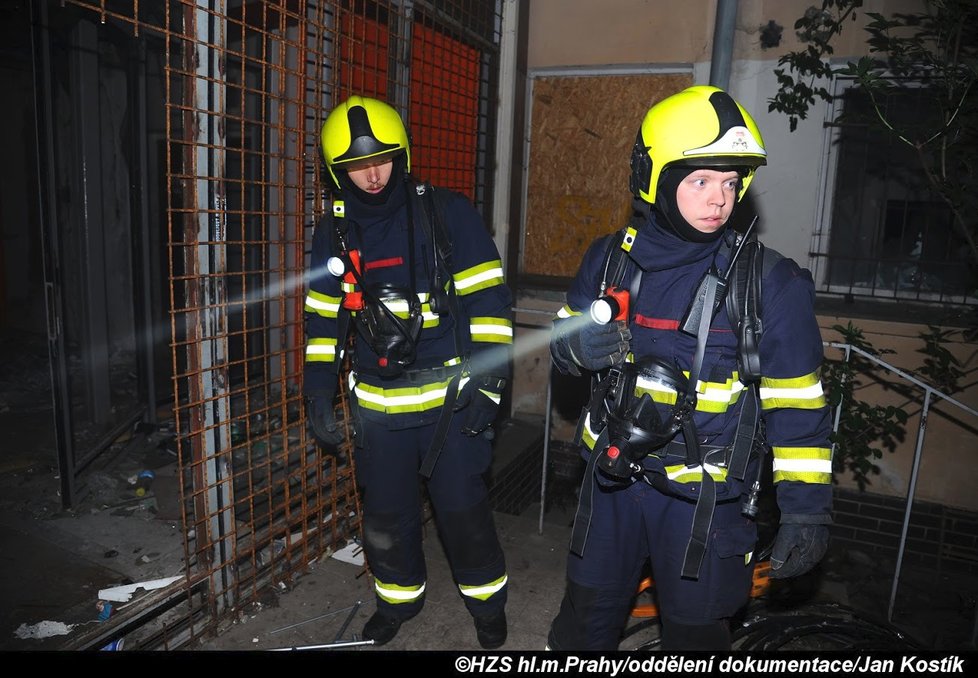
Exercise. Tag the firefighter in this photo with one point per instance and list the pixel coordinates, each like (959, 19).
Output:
(676, 503)
(430, 360)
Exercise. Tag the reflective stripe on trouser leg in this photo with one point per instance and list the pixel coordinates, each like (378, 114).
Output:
(386, 466)
(464, 518)
(396, 561)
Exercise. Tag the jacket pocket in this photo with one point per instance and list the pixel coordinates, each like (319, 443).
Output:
(735, 540)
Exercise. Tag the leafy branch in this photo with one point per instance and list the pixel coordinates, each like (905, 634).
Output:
(935, 49)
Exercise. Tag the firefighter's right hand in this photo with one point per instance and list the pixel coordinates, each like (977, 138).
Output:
(322, 420)
(593, 346)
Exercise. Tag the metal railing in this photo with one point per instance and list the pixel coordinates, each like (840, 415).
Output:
(929, 393)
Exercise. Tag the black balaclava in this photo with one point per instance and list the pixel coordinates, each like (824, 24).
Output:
(668, 206)
(347, 186)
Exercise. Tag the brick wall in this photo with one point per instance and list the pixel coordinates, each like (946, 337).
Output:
(937, 536)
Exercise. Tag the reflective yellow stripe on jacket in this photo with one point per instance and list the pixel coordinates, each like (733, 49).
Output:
(803, 393)
(491, 330)
(567, 312)
(322, 349)
(322, 304)
(402, 400)
(488, 274)
(711, 396)
(804, 464)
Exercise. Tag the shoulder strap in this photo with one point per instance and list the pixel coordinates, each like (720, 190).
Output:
(435, 229)
(433, 223)
(744, 310)
(744, 304)
(617, 262)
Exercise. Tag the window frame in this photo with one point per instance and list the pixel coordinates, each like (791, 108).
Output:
(821, 254)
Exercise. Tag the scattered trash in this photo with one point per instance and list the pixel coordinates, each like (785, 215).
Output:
(115, 645)
(143, 481)
(351, 553)
(44, 629)
(122, 594)
(271, 551)
(104, 610)
(111, 553)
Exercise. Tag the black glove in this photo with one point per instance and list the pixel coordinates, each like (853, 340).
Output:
(322, 419)
(589, 344)
(560, 352)
(480, 402)
(800, 544)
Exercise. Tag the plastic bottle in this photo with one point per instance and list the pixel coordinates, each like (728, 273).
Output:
(143, 481)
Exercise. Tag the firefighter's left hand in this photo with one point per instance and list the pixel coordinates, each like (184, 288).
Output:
(479, 404)
(800, 544)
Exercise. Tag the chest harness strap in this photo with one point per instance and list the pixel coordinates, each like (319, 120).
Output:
(437, 234)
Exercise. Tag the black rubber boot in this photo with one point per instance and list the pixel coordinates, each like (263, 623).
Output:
(491, 631)
(381, 629)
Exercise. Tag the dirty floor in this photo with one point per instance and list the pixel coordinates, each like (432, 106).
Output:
(54, 563)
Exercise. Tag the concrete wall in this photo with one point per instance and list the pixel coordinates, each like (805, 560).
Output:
(788, 193)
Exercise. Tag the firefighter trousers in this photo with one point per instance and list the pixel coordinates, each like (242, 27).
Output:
(636, 524)
(387, 464)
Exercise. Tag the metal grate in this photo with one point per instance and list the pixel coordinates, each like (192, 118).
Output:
(243, 88)
(893, 236)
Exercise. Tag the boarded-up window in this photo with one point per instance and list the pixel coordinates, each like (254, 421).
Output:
(581, 137)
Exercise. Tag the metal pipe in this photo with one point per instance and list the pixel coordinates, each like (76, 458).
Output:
(838, 408)
(723, 42)
(349, 618)
(322, 616)
(546, 449)
(910, 493)
(327, 646)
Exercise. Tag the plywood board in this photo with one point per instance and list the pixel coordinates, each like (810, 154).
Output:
(581, 136)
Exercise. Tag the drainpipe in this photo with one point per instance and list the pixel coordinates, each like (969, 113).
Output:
(723, 41)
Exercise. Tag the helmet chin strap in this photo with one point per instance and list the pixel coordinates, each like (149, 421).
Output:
(665, 202)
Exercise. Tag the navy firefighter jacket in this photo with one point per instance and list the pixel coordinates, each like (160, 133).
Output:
(793, 406)
(381, 235)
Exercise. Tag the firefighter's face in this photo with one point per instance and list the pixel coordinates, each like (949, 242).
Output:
(370, 176)
(707, 197)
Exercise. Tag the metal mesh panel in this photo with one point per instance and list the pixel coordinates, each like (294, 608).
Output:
(245, 86)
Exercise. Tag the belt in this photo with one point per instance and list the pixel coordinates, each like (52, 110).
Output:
(423, 375)
(717, 455)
